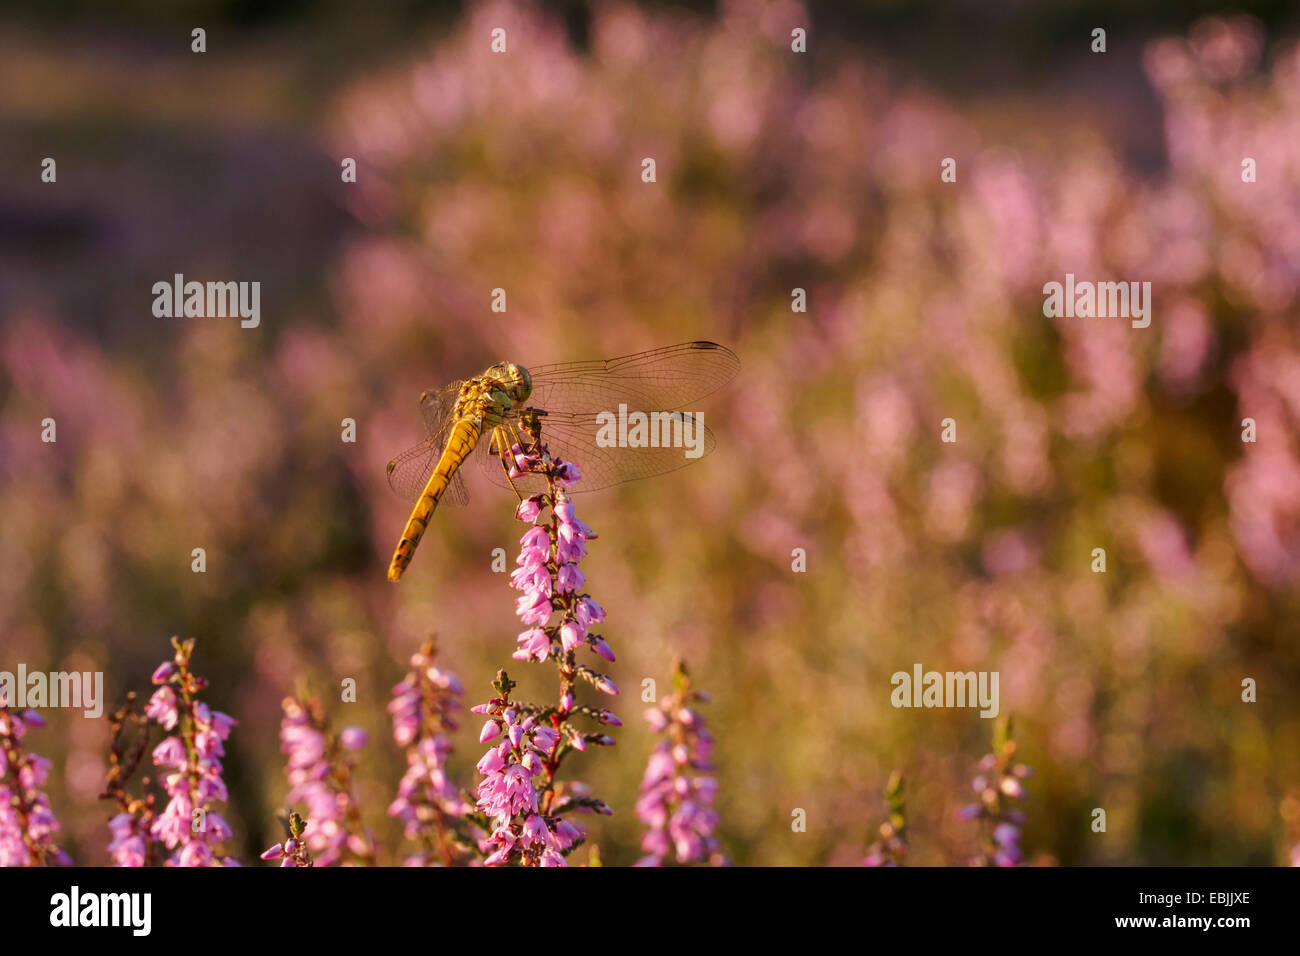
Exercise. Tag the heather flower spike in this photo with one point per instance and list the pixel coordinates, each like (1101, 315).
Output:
(27, 824)
(999, 782)
(293, 851)
(524, 806)
(891, 848)
(320, 769)
(189, 762)
(428, 803)
(678, 790)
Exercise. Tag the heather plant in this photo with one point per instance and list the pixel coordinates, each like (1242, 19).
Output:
(999, 787)
(429, 804)
(293, 851)
(890, 849)
(678, 789)
(320, 768)
(131, 829)
(189, 762)
(27, 823)
(525, 806)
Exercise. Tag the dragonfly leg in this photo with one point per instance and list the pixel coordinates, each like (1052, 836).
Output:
(499, 438)
(518, 437)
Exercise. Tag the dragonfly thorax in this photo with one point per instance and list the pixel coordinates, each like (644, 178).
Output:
(489, 398)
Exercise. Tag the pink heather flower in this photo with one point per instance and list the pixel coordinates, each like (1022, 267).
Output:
(544, 739)
(219, 829)
(529, 508)
(27, 824)
(534, 607)
(565, 513)
(570, 524)
(509, 791)
(535, 545)
(195, 853)
(193, 758)
(164, 672)
(572, 635)
(677, 791)
(534, 645)
(128, 846)
(319, 771)
(570, 550)
(535, 830)
(491, 762)
(571, 533)
(35, 773)
(162, 706)
(171, 753)
(532, 578)
(569, 579)
(566, 834)
(428, 802)
(173, 826)
(588, 612)
(604, 685)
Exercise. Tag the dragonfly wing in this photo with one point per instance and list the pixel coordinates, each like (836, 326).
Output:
(666, 378)
(456, 495)
(409, 472)
(436, 408)
(581, 439)
(661, 383)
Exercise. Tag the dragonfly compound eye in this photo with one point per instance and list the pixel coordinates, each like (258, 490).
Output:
(519, 384)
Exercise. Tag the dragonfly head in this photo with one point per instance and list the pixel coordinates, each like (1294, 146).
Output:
(514, 380)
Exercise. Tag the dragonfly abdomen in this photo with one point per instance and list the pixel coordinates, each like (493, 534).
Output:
(464, 436)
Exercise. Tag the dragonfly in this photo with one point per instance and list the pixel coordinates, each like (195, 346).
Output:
(584, 409)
